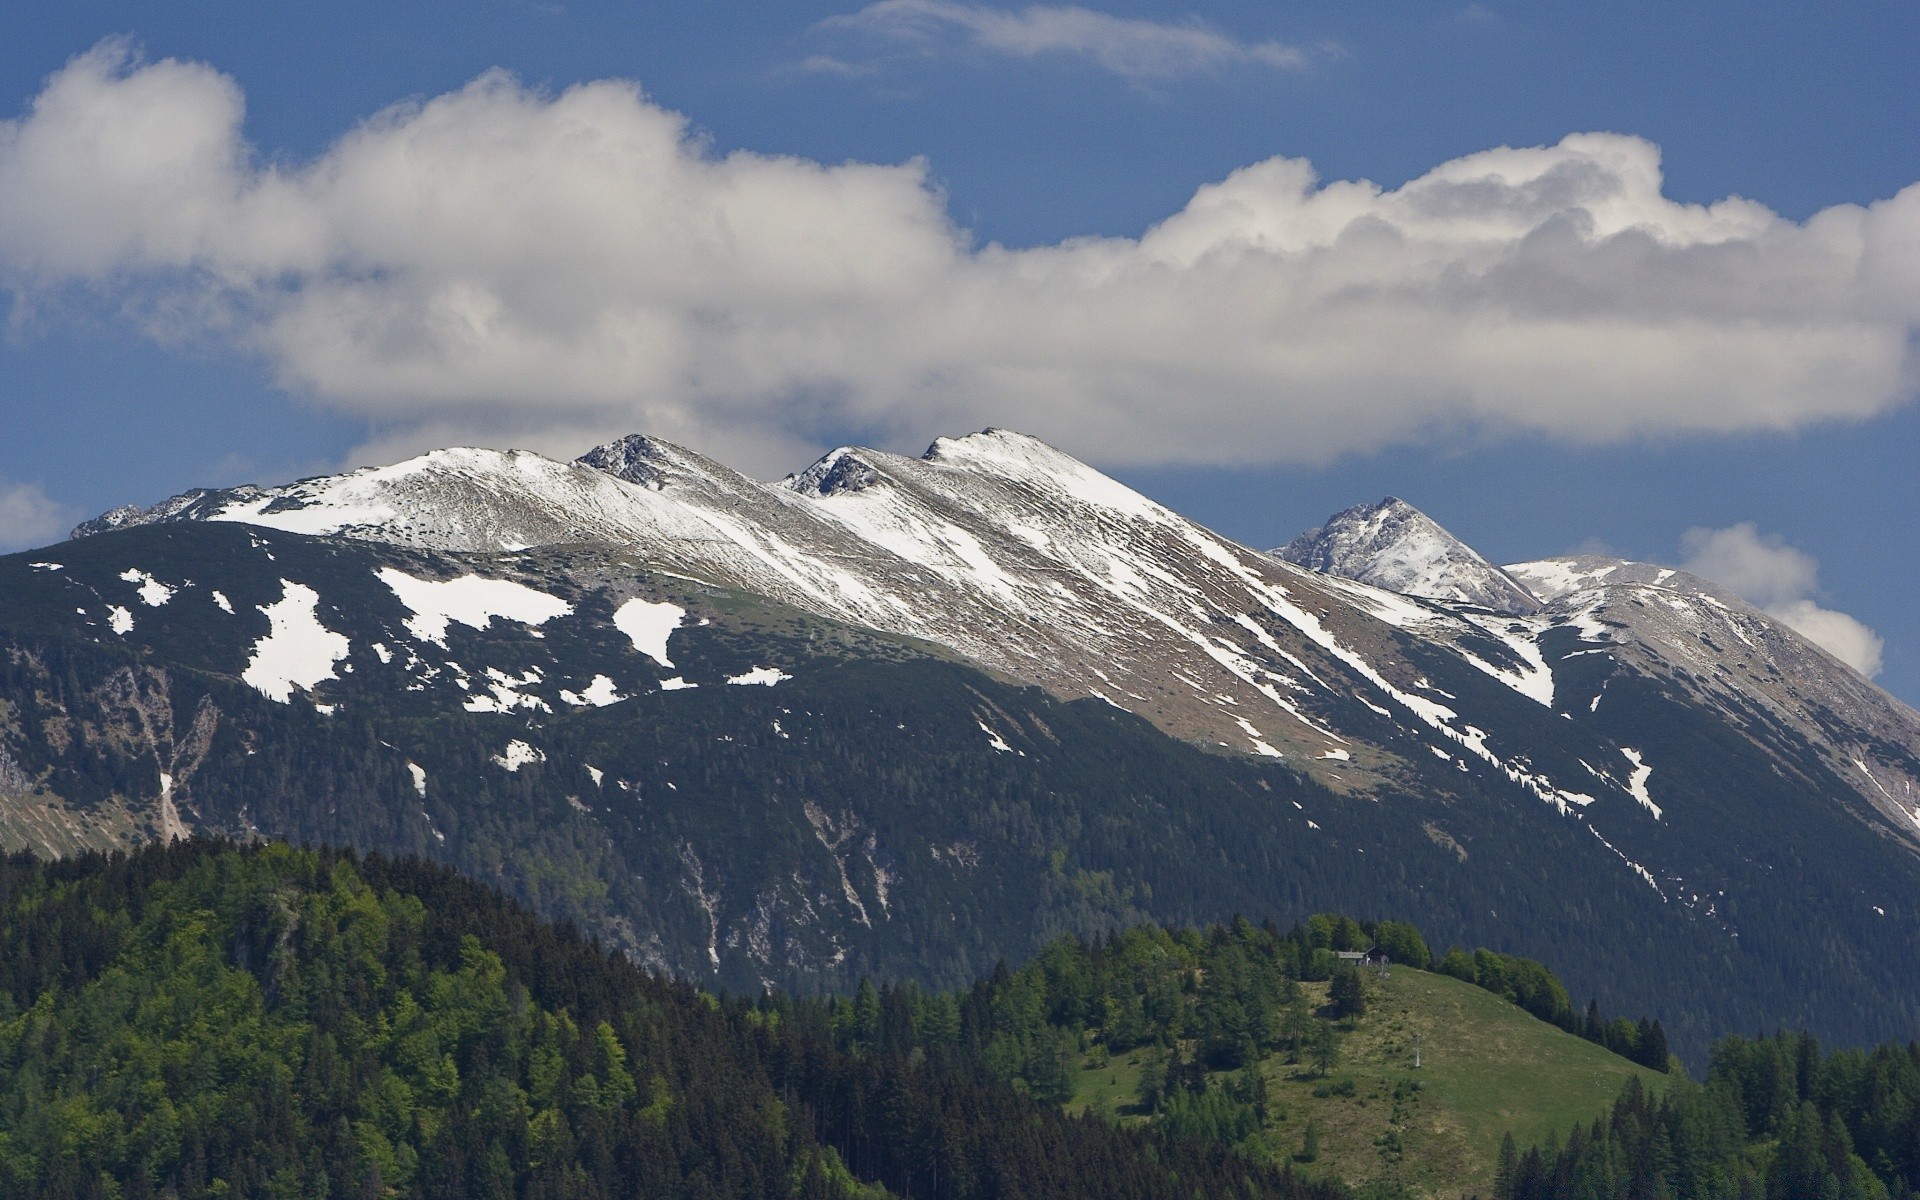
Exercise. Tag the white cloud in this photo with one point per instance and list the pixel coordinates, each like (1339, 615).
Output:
(1129, 47)
(1778, 578)
(1761, 570)
(28, 517)
(506, 266)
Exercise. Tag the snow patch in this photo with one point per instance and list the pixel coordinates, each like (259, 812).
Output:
(518, 754)
(1534, 678)
(600, 693)
(119, 620)
(298, 650)
(419, 777)
(676, 684)
(220, 598)
(471, 600)
(153, 593)
(764, 676)
(648, 625)
(1638, 869)
(1259, 744)
(1637, 782)
(506, 695)
(995, 740)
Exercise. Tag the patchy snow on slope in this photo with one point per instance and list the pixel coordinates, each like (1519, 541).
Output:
(1534, 678)
(519, 754)
(119, 620)
(1637, 782)
(599, 693)
(1254, 739)
(298, 650)
(1638, 869)
(419, 774)
(48, 566)
(648, 625)
(994, 739)
(153, 593)
(506, 694)
(764, 676)
(676, 684)
(472, 600)
(220, 599)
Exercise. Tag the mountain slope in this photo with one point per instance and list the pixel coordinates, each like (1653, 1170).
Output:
(928, 725)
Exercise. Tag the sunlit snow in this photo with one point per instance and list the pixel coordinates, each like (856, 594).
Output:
(995, 740)
(153, 593)
(298, 650)
(600, 693)
(765, 676)
(518, 754)
(471, 600)
(648, 625)
(1637, 782)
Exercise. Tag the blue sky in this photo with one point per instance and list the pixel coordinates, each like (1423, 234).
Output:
(1203, 363)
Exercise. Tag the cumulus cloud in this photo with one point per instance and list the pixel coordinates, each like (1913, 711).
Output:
(503, 265)
(28, 517)
(1129, 47)
(1776, 577)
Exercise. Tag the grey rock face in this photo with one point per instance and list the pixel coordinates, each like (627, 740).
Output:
(1395, 546)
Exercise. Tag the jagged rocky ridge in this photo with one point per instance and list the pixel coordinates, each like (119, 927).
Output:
(1395, 546)
(592, 679)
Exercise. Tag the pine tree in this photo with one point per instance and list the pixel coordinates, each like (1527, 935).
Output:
(1504, 1176)
(1326, 1050)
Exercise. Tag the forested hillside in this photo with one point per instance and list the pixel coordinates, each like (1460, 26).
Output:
(203, 1021)
(1776, 1118)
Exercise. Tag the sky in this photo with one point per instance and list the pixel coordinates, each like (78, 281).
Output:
(1634, 279)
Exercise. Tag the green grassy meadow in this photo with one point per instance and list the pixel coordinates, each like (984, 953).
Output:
(1486, 1067)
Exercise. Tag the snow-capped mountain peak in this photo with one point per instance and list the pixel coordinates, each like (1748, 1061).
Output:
(635, 458)
(841, 471)
(1395, 546)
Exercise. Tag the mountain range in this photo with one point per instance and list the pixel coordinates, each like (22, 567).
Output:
(907, 715)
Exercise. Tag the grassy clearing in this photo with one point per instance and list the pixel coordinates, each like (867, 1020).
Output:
(1486, 1067)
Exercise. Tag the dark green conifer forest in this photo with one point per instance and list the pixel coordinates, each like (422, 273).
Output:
(1776, 1119)
(199, 1020)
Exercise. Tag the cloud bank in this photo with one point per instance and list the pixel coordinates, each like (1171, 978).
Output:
(506, 266)
(29, 517)
(1776, 577)
(1131, 48)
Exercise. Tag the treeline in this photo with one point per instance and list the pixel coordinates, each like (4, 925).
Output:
(1208, 1004)
(1776, 1119)
(1534, 988)
(198, 1020)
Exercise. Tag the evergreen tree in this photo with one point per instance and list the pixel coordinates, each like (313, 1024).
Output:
(1326, 1049)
